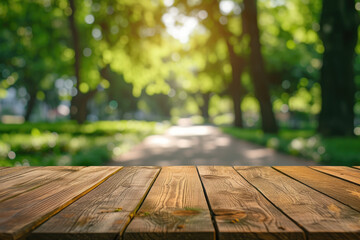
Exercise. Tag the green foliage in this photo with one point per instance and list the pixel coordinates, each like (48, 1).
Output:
(68, 143)
(28, 53)
(305, 143)
(71, 127)
(131, 57)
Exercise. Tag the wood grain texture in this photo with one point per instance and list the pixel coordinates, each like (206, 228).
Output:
(347, 173)
(321, 216)
(26, 181)
(358, 167)
(14, 171)
(21, 214)
(175, 208)
(343, 191)
(241, 212)
(104, 212)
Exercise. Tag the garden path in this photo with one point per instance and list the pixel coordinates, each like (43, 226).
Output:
(187, 144)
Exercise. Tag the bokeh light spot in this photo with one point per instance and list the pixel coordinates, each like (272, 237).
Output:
(12, 155)
(89, 19)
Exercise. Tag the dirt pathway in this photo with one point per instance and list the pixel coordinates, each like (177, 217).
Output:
(202, 145)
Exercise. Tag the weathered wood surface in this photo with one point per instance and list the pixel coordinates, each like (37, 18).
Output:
(347, 173)
(322, 217)
(175, 208)
(21, 214)
(241, 212)
(25, 181)
(14, 171)
(343, 191)
(104, 212)
(208, 202)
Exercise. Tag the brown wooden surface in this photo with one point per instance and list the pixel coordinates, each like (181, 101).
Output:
(175, 208)
(347, 173)
(104, 212)
(25, 181)
(6, 170)
(14, 171)
(322, 217)
(241, 212)
(185, 202)
(343, 191)
(21, 214)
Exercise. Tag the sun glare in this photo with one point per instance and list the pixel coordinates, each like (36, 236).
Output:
(168, 3)
(226, 7)
(178, 25)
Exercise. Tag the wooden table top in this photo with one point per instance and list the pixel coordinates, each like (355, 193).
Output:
(186, 202)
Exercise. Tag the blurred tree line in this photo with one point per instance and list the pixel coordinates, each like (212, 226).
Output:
(268, 62)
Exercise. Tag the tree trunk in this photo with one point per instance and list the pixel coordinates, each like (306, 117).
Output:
(78, 110)
(30, 105)
(205, 107)
(237, 91)
(257, 68)
(339, 23)
(237, 99)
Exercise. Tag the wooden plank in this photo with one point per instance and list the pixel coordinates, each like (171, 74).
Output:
(343, 191)
(21, 214)
(104, 212)
(322, 217)
(357, 167)
(14, 171)
(349, 174)
(241, 212)
(175, 208)
(29, 180)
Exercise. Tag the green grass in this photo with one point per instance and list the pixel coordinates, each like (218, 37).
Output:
(67, 143)
(95, 128)
(305, 143)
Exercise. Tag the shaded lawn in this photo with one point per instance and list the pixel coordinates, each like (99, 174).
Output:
(305, 143)
(67, 143)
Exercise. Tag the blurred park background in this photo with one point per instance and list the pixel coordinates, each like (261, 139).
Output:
(83, 81)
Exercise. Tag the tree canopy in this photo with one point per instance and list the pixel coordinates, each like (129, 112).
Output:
(264, 63)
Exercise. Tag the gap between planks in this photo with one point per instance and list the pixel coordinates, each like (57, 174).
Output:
(41, 203)
(346, 173)
(174, 208)
(240, 210)
(322, 217)
(242, 214)
(343, 191)
(25, 181)
(104, 212)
